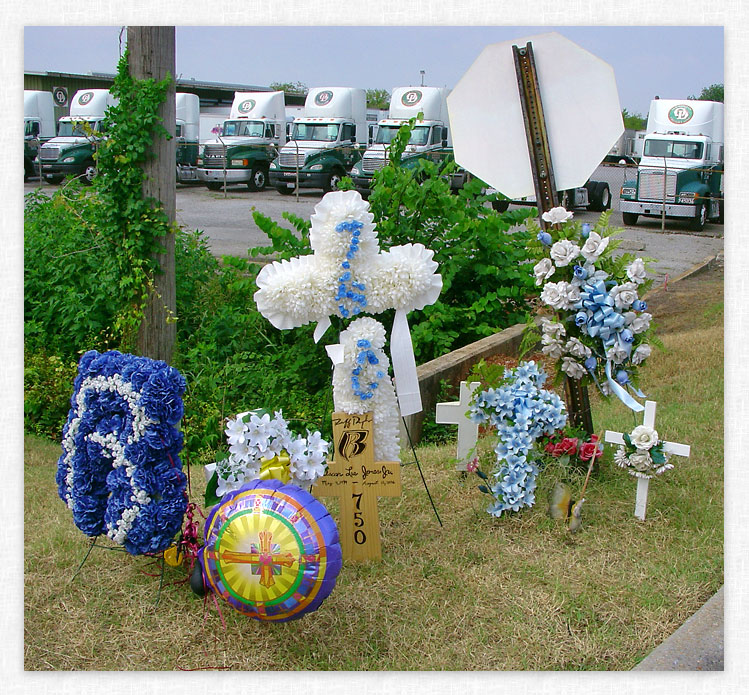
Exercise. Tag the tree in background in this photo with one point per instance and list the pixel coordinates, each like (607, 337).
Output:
(290, 87)
(633, 121)
(378, 99)
(712, 93)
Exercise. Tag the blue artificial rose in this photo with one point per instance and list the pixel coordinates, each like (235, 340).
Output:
(544, 238)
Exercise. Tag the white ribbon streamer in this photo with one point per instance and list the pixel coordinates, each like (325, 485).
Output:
(320, 329)
(404, 366)
(335, 352)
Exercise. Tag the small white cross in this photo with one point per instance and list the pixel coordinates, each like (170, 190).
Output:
(455, 414)
(669, 447)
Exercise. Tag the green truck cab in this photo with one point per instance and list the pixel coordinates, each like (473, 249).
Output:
(186, 134)
(248, 143)
(71, 152)
(323, 146)
(38, 126)
(430, 137)
(680, 174)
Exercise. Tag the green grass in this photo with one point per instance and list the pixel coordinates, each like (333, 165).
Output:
(478, 593)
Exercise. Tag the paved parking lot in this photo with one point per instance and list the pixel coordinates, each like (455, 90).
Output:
(227, 221)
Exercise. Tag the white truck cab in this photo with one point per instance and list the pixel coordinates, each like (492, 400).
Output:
(248, 143)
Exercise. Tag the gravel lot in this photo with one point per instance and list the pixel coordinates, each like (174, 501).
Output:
(228, 224)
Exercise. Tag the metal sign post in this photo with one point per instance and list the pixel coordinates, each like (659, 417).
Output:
(576, 395)
(535, 129)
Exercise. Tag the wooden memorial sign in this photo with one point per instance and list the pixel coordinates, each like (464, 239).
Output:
(358, 480)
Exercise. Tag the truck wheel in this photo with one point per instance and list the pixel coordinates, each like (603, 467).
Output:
(630, 218)
(697, 223)
(332, 182)
(599, 196)
(604, 196)
(285, 190)
(213, 185)
(89, 173)
(258, 178)
(501, 205)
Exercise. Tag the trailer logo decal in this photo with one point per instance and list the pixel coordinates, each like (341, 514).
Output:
(246, 106)
(323, 98)
(85, 98)
(680, 114)
(411, 97)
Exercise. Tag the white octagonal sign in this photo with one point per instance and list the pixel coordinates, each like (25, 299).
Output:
(581, 110)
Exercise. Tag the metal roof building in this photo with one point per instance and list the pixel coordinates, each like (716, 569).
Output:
(211, 94)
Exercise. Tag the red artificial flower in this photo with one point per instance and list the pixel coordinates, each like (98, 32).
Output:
(590, 449)
(567, 446)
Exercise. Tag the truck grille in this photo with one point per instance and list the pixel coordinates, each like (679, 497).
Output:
(49, 153)
(372, 163)
(214, 156)
(651, 185)
(291, 160)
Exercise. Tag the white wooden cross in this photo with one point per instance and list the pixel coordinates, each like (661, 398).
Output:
(455, 414)
(641, 502)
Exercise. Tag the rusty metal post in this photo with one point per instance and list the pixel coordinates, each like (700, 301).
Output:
(576, 395)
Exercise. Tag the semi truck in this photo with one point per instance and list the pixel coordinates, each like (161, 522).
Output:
(430, 137)
(680, 174)
(38, 126)
(248, 143)
(327, 139)
(71, 152)
(187, 133)
(593, 195)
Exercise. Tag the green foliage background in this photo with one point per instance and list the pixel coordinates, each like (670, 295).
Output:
(87, 270)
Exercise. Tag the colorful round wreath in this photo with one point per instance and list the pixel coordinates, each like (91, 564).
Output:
(120, 471)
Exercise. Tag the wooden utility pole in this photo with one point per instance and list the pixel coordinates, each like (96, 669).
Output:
(151, 55)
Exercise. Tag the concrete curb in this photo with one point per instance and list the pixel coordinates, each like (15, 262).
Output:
(696, 646)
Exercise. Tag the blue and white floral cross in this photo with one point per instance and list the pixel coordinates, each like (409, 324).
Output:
(347, 275)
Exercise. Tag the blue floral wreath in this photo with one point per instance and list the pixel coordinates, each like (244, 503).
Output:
(120, 471)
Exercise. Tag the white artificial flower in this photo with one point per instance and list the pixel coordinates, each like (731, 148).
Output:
(552, 328)
(641, 353)
(235, 430)
(543, 270)
(552, 347)
(572, 368)
(640, 323)
(643, 437)
(636, 271)
(624, 294)
(555, 295)
(573, 295)
(617, 353)
(577, 349)
(556, 215)
(620, 457)
(564, 252)
(594, 246)
(640, 461)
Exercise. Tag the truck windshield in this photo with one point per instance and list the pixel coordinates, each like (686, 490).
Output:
(678, 149)
(78, 129)
(313, 131)
(30, 128)
(386, 133)
(251, 129)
